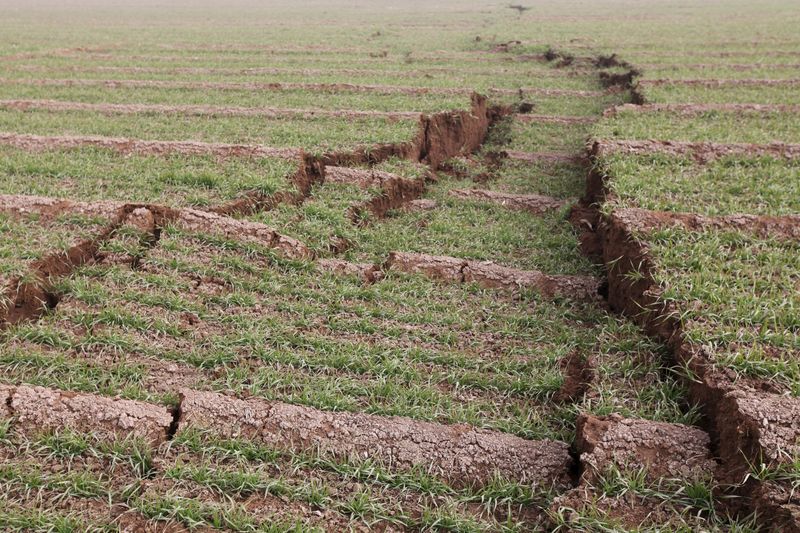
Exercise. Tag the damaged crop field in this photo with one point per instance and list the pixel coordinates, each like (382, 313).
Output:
(399, 267)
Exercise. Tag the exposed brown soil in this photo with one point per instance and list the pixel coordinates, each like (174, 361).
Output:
(707, 53)
(186, 218)
(33, 296)
(735, 429)
(699, 109)
(310, 172)
(206, 222)
(201, 110)
(779, 227)
(366, 271)
(702, 152)
(396, 192)
(532, 203)
(579, 372)
(553, 119)
(37, 409)
(423, 204)
(725, 82)
(490, 275)
(460, 454)
(553, 92)
(138, 146)
(364, 178)
(440, 137)
(30, 299)
(759, 424)
(664, 450)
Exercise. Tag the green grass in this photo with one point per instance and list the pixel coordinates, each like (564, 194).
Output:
(288, 333)
(730, 185)
(556, 179)
(719, 70)
(542, 137)
(243, 98)
(679, 94)
(90, 174)
(459, 228)
(26, 239)
(628, 501)
(314, 134)
(737, 296)
(716, 126)
(353, 72)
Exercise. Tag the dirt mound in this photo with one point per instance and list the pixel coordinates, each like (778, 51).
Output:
(365, 271)
(579, 372)
(242, 86)
(702, 152)
(461, 454)
(433, 266)
(493, 276)
(662, 449)
(423, 204)
(188, 219)
(37, 409)
(364, 178)
(759, 424)
(780, 227)
(532, 203)
(245, 230)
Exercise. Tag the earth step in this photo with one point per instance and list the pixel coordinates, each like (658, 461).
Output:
(395, 193)
(37, 409)
(762, 430)
(533, 203)
(764, 226)
(364, 178)
(662, 449)
(759, 426)
(242, 230)
(423, 204)
(493, 276)
(460, 454)
(187, 219)
(702, 152)
(366, 271)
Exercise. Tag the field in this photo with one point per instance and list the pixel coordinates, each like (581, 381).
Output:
(361, 266)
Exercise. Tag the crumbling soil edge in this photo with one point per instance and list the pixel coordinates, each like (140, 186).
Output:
(611, 239)
(633, 291)
(395, 193)
(29, 300)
